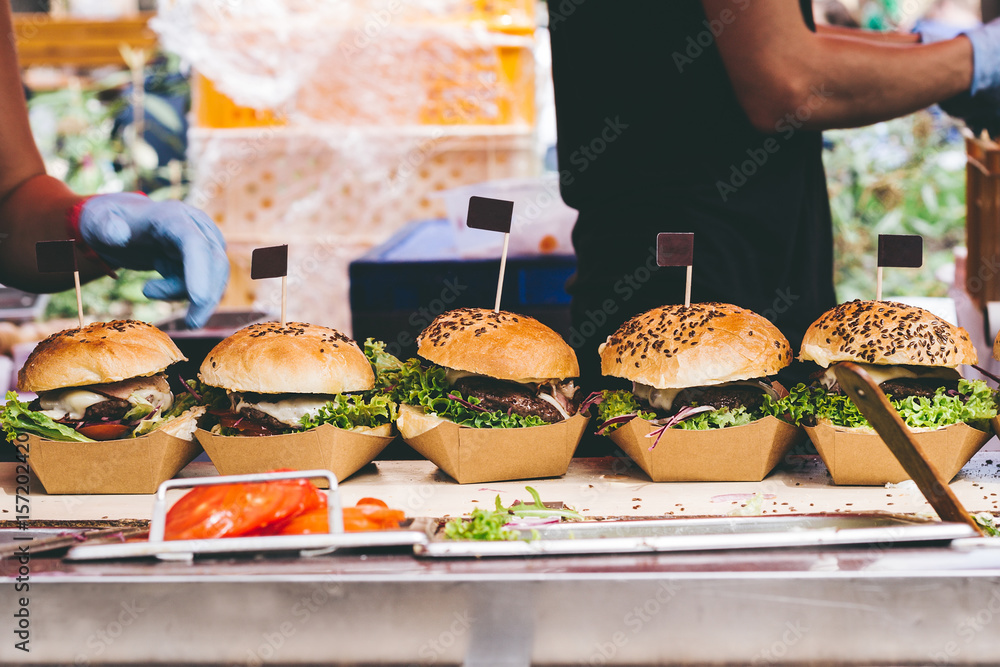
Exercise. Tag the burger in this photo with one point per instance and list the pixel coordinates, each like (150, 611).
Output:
(703, 366)
(911, 353)
(273, 379)
(484, 369)
(103, 382)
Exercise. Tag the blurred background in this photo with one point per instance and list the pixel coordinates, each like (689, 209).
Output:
(344, 128)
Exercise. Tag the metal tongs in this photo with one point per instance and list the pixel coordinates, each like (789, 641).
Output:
(874, 405)
(316, 544)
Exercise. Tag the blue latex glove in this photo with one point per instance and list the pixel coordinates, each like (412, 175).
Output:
(177, 240)
(979, 108)
(985, 56)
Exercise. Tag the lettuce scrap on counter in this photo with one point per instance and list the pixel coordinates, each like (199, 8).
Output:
(409, 382)
(973, 403)
(495, 525)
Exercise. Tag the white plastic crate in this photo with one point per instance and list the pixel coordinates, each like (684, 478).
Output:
(342, 187)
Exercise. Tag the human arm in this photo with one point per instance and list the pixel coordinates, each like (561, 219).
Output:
(123, 229)
(868, 35)
(842, 82)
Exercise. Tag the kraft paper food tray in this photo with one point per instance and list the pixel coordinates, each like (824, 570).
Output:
(128, 465)
(734, 454)
(325, 447)
(862, 459)
(473, 455)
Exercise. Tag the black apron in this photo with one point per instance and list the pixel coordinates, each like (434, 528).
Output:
(651, 138)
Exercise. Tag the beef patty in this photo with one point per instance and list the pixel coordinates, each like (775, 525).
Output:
(500, 395)
(926, 387)
(731, 397)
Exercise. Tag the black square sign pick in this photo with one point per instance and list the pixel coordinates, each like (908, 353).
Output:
(675, 249)
(60, 257)
(269, 262)
(490, 214)
(56, 256)
(901, 250)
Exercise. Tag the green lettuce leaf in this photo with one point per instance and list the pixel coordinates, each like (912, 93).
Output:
(975, 405)
(621, 403)
(409, 382)
(16, 418)
(348, 411)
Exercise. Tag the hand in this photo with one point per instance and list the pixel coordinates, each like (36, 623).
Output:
(177, 240)
(985, 56)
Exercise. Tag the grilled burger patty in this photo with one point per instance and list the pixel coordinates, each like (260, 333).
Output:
(731, 397)
(111, 409)
(500, 395)
(926, 387)
(262, 418)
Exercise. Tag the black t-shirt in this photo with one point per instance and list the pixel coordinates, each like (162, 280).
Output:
(652, 138)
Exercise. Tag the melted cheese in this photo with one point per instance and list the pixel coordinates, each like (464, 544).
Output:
(155, 397)
(882, 374)
(661, 399)
(454, 376)
(68, 403)
(290, 410)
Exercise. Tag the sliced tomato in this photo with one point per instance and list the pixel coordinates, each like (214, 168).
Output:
(366, 516)
(105, 431)
(235, 510)
(243, 425)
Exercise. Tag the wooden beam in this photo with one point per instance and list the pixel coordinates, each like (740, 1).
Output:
(44, 40)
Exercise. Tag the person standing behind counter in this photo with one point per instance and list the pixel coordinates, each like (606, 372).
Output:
(124, 230)
(705, 116)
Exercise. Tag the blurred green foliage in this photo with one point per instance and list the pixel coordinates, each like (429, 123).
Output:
(108, 299)
(74, 128)
(905, 176)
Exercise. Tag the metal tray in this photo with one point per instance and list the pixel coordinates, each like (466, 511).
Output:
(304, 545)
(638, 536)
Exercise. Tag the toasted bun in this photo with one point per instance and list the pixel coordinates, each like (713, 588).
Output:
(887, 333)
(298, 358)
(98, 353)
(703, 344)
(502, 345)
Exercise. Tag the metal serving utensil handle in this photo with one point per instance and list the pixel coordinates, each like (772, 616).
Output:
(874, 405)
(157, 525)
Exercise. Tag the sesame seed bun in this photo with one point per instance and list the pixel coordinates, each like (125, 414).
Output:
(503, 345)
(886, 333)
(298, 358)
(703, 344)
(98, 353)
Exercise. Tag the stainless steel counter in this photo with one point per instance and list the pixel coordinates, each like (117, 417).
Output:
(860, 606)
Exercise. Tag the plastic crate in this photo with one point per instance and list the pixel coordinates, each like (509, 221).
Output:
(413, 78)
(336, 187)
